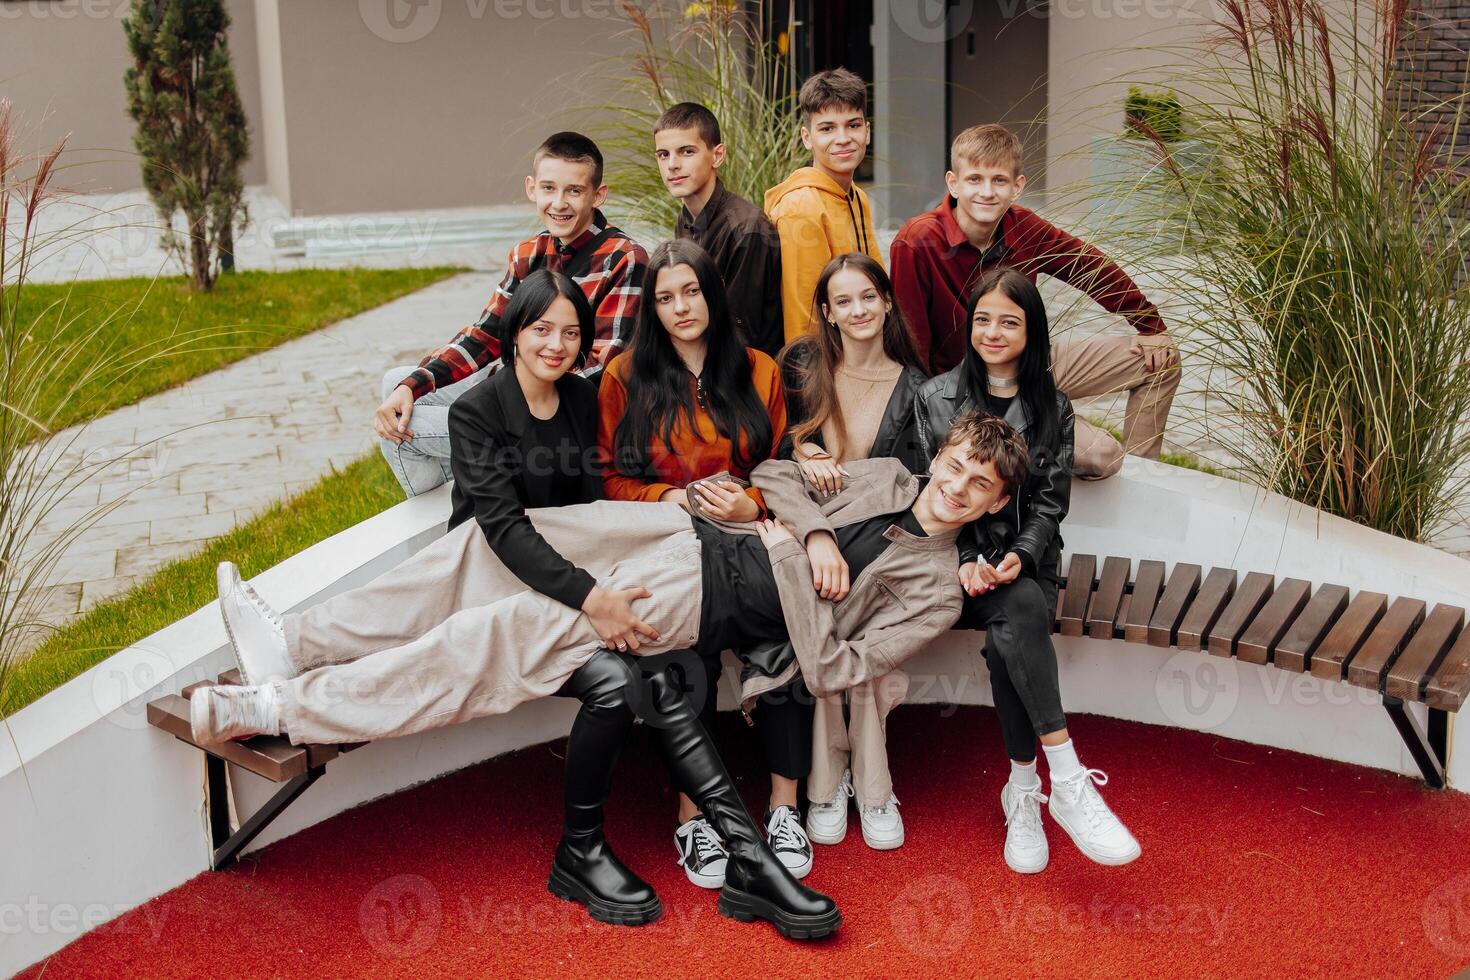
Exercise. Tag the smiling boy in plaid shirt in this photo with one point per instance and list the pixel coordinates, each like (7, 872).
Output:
(566, 186)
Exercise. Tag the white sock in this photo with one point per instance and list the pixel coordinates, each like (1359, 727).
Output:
(1062, 761)
(1023, 775)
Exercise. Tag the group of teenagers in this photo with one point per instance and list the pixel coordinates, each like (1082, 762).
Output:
(758, 440)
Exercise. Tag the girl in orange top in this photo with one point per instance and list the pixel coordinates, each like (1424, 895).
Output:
(688, 401)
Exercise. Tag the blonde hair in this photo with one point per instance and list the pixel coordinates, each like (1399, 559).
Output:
(990, 143)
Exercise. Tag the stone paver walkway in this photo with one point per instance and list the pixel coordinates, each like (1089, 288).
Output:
(225, 446)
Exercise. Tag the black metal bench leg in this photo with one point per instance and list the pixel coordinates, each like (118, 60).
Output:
(1429, 750)
(227, 846)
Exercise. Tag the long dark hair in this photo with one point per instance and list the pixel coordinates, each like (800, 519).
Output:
(1038, 391)
(815, 356)
(532, 298)
(658, 382)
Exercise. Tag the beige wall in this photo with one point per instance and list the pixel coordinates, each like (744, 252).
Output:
(61, 66)
(446, 119)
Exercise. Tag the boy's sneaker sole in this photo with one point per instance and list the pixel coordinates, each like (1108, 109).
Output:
(884, 845)
(828, 839)
(743, 907)
(563, 885)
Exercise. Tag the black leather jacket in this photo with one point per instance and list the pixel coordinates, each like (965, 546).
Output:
(1030, 525)
(897, 435)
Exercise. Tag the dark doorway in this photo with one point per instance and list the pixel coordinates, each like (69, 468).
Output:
(823, 34)
(997, 64)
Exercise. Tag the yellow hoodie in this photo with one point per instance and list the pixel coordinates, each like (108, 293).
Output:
(816, 220)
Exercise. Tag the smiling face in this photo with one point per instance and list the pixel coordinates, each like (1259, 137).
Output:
(680, 304)
(564, 196)
(547, 347)
(838, 137)
(960, 489)
(686, 164)
(983, 192)
(855, 305)
(998, 330)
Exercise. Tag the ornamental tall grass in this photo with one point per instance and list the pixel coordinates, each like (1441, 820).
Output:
(1319, 235)
(713, 53)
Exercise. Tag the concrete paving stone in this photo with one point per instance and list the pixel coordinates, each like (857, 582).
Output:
(244, 498)
(56, 603)
(82, 564)
(114, 536)
(182, 506)
(162, 486)
(144, 560)
(101, 589)
(215, 476)
(201, 528)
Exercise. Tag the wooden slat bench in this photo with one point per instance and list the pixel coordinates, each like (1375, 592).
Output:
(1395, 650)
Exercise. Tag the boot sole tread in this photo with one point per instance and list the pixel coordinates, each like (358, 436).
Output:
(747, 908)
(565, 887)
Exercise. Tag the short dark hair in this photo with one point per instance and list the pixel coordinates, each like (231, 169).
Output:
(836, 88)
(987, 439)
(691, 115)
(533, 296)
(574, 148)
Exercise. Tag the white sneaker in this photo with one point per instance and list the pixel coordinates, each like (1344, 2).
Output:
(882, 826)
(788, 841)
(702, 854)
(1078, 808)
(220, 713)
(254, 628)
(1026, 849)
(826, 823)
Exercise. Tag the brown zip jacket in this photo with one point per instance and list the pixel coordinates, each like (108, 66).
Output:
(907, 597)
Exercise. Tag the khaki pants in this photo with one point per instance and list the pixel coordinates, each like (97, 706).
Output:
(1104, 366)
(451, 634)
(859, 741)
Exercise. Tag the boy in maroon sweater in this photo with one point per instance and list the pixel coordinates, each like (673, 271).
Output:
(939, 254)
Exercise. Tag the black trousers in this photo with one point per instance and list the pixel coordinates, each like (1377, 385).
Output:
(1017, 619)
(782, 719)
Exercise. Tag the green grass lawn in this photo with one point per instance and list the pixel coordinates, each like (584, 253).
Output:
(246, 313)
(337, 502)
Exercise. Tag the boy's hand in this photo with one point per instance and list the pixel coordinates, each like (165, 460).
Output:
(1158, 351)
(772, 533)
(726, 501)
(390, 421)
(829, 568)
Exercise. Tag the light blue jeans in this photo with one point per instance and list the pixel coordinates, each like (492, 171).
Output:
(422, 463)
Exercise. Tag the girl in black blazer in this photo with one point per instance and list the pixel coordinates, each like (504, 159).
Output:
(527, 438)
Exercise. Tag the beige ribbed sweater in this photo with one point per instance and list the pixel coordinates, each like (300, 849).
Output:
(861, 398)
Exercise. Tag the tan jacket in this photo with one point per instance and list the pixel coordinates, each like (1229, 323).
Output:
(907, 597)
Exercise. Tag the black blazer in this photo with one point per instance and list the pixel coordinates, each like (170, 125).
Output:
(897, 434)
(487, 431)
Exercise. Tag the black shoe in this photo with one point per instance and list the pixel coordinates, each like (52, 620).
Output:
(587, 872)
(757, 884)
(788, 840)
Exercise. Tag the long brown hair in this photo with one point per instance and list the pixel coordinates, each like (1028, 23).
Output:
(815, 356)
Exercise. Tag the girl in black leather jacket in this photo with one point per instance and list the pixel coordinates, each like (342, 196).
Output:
(1009, 569)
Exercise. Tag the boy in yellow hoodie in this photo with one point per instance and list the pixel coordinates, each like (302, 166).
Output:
(817, 211)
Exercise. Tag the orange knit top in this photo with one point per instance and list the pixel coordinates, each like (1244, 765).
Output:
(697, 454)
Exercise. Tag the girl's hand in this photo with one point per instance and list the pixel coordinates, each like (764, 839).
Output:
(971, 580)
(1003, 574)
(726, 501)
(821, 471)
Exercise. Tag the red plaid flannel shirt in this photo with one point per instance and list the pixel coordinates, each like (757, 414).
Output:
(607, 264)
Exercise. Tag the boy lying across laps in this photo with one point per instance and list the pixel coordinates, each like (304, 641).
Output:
(475, 641)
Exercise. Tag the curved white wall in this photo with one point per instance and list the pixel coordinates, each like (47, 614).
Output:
(99, 812)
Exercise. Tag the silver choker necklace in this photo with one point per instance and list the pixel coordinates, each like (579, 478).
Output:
(995, 382)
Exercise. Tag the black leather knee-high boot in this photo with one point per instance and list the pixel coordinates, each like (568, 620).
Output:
(757, 884)
(585, 870)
